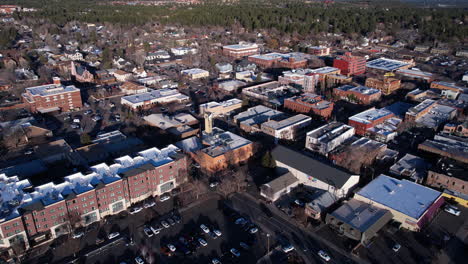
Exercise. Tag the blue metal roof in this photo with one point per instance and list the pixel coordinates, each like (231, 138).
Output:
(404, 196)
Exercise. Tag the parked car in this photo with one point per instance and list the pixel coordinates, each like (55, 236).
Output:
(451, 209)
(244, 245)
(165, 224)
(77, 234)
(396, 247)
(240, 221)
(204, 228)
(324, 255)
(139, 260)
(170, 221)
(135, 210)
(202, 242)
(215, 261)
(75, 126)
(212, 235)
(217, 232)
(88, 112)
(149, 204)
(148, 231)
(253, 230)
(235, 252)
(287, 248)
(214, 184)
(171, 247)
(113, 235)
(176, 218)
(154, 230)
(96, 118)
(164, 197)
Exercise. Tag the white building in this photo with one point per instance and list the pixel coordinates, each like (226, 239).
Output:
(183, 51)
(148, 99)
(326, 138)
(291, 128)
(195, 73)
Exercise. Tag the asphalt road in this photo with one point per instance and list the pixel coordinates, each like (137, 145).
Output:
(306, 243)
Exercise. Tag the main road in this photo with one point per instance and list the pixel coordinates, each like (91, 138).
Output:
(306, 243)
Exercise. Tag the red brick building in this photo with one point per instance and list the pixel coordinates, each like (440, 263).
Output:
(350, 65)
(52, 97)
(310, 103)
(386, 85)
(319, 50)
(240, 50)
(359, 94)
(9, 9)
(368, 119)
(288, 60)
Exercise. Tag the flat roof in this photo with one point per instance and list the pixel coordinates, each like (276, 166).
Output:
(386, 64)
(287, 122)
(370, 115)
(51, 89)
(330, 131)
(221, 142)
(359, 89)
(360, 215)
(241, 46)
(194, 71)
(404, 196)
(154, 95)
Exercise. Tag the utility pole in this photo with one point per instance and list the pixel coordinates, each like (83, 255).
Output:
(268, 243)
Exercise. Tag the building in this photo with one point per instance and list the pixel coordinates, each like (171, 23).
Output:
(358, 220)
(157, 55)
(448, 86)
(224, 67)
(320, 204)
(350, 65)
(81, 73)
(272, 93)
(291, 128)
(231, 85)
(448, 175)
(251, 120)
(357, 94)
(460, 130)
(9, 9)
(416, 74)
(278, 187)
(47, 211)
(447, 146)
(412, 167)
(178, 125)
(369, 119)
(327, 137)
(129, 88)
(388, 65)
(195, 73)
(291, 60)
(241, 50)
(222, 108)
(430, 114)
(412, 205)
(314, 173)
(217, 149)
(319, 50)
(310, 103)
(122, 76)
(183, 51)
(153, 97)
(386, 85)
(304, 78)
(52, 97)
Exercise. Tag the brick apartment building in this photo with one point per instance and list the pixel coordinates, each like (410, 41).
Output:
(359, 94)
(319, 50)
(47, 211)
(288, 60)
(350, 65)
(368, 119)
(386, 85)
(241, 50)
(52, 97)
(310, 103)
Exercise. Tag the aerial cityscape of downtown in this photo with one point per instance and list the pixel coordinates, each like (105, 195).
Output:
(233, 131)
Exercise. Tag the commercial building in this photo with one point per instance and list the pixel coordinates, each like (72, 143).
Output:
(388, 65)
(221, 108)
(291, 60)
(430, 114)
(357, 94)
(195, 73)
(122, 76)
(231, 85)
(350, 65)
(272, 93)
(411, 204)
(448, 175)
(183, 51)
(448, 86)
(447, 146)
(291, 128)
(153, 97)
(320, 204)
(178, 125)
(319, 50)
(460, 130)
(416, 74)
(241, 50)
(368, 119)
(49, 210)
(310, 103)
(387, 85)
(52, 97)
(251, 120)
(314, 173)
(282, 185)
(326, 138)
(358, 220)
(217, 149)
(304, 78)
(132, 88)
(412, 167)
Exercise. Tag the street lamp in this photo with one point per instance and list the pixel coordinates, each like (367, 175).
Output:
(268, 243)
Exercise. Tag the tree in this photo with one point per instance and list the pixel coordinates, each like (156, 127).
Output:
(268, 161)
(85, 139)
(258, 78)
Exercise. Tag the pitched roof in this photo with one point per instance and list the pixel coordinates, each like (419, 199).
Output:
(326, 173)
